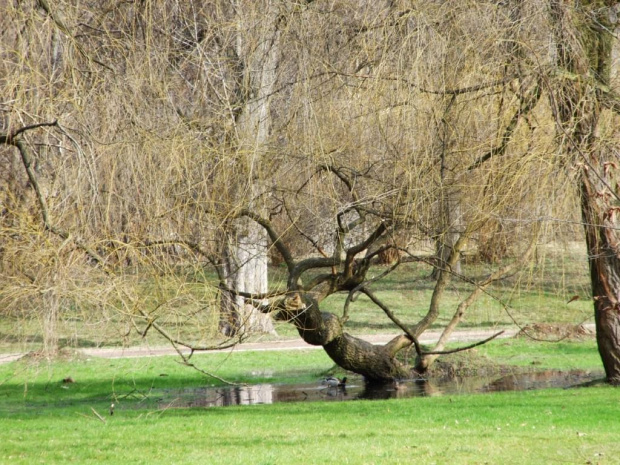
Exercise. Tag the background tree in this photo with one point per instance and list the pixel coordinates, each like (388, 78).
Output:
(178, 137)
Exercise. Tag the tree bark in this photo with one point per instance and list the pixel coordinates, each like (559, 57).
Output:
(375, 363)
(247, 246)
(604, 259)
(584, 46)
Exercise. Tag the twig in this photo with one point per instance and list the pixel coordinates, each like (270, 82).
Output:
(461, 349)
(97, 415)
(15, 140)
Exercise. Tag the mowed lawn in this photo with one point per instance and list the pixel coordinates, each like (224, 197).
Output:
(535, 427)
(43, 420)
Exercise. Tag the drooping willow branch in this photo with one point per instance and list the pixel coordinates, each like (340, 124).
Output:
(527, 105)
(151, 323)
(184, 357)
(59, 22)
(15, 139)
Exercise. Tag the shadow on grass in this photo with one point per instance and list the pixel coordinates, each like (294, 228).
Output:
(38, 339)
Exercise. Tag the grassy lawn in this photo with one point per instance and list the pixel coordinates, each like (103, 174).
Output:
(45, 421)
(534, 295)
(574, 426)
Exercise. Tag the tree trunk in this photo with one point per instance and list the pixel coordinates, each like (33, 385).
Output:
(245, 268)
(604, 259)
(375, 363)
(246, 256)
(448, 203)
(584, 46)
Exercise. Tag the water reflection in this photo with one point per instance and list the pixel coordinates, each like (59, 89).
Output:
(357, 389)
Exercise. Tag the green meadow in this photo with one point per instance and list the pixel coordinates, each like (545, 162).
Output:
(44, 420)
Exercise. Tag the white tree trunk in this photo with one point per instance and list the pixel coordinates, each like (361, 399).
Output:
(249, 249)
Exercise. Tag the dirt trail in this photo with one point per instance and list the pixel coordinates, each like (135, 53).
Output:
(465, 335)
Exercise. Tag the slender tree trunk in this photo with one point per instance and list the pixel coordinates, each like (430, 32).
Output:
(449, 205)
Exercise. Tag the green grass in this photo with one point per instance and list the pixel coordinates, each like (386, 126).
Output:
(563, 355)
(575, 426)
(30, 383)
(45, 421)
(536, 294)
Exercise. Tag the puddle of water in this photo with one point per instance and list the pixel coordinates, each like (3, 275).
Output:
(357, 389)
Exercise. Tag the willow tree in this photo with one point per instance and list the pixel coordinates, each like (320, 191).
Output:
(580, 97)
(182, 135)
(364, 166)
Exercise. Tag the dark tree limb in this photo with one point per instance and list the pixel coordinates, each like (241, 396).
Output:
(273, 235)
(456, 91)
(14, 139)
(528, 103)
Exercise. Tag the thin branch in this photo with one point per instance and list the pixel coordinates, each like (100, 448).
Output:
(410, 334)
(480, 287)
(440, 285)
(527, 105)
(376, 234)
(56, 17)
(414, 339)
(461, 349)
(273, 235)
(457, 91)
(558, 122)
(303, 234)
(14, 139)
(178, 342)
(352, 296)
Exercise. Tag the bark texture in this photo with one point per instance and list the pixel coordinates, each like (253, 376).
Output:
(375, 363)
(247, 248)
(584, 46)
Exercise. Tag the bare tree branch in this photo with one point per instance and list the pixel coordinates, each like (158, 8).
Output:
(527, 104)
(15, 140)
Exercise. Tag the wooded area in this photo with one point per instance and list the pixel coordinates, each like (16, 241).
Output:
(146, 142)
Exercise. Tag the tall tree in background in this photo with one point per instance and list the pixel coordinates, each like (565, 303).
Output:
(179, 136)
(256, 49)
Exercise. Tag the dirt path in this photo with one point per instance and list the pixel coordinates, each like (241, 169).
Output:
(465, 335)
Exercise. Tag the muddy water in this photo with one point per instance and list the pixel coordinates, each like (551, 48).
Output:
(357, 389)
